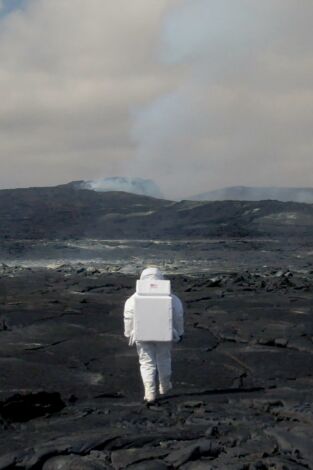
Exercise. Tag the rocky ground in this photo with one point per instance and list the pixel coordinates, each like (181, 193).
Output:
(70, 390)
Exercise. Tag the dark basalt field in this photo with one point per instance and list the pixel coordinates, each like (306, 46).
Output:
(65, 212)
(70, 390)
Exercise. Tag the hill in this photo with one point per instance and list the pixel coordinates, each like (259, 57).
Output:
(64, 212)
(244, 193)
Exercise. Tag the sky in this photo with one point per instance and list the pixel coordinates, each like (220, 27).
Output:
(195, 94)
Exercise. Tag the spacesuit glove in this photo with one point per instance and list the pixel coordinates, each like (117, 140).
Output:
(131, 339)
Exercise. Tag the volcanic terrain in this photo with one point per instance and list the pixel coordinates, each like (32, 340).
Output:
(70, 389)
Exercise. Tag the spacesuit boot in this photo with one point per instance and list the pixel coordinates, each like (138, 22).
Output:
(165, 388)
(149, 397)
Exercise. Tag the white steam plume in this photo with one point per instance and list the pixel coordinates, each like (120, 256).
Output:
(242, 106)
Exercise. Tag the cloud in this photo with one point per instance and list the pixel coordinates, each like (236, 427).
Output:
(242, 112)
(70, 72)
(196, 94)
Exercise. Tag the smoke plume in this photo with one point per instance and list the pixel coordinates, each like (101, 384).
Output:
(241, 110)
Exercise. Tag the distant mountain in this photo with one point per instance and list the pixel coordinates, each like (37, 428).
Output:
(65, 212)
(145, 187)
(244, 193)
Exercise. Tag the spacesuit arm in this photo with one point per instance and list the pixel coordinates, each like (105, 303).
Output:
(128, 317)
(178, 316)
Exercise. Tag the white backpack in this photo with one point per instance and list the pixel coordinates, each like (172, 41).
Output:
(153, 315)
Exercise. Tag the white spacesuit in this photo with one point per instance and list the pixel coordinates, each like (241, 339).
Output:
(154, 356)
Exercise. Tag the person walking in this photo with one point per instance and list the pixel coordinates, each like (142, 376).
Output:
(154, 356)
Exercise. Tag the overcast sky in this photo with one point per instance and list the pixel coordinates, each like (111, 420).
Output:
(195, 94)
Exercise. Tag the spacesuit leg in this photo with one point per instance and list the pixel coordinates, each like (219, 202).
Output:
(164, 366)
(147, 360)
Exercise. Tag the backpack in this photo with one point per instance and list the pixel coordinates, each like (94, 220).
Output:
(153, 313)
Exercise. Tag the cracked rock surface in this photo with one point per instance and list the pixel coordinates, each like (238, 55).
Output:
(70, 390)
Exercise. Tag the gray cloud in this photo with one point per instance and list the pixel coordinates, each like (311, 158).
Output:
(196, 94)
(70, 73)
(242, 112)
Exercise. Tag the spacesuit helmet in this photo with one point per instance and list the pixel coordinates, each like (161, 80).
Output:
(151, 273)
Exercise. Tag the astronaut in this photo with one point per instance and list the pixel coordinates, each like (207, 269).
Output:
(154, 356)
